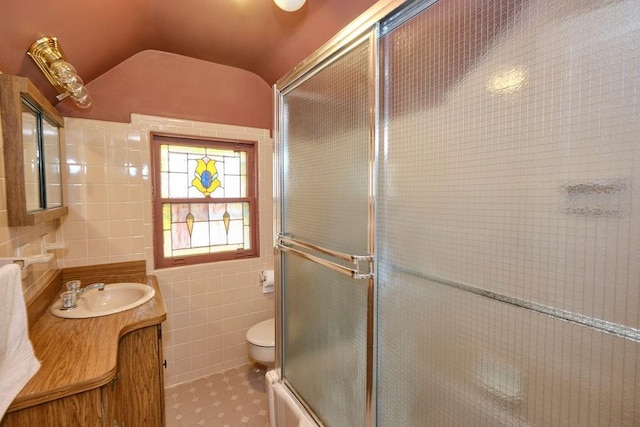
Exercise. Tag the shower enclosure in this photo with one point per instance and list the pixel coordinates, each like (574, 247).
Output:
(458, 239)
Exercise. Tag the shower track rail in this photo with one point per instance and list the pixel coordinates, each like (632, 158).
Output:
(291, 245)
(612, 328)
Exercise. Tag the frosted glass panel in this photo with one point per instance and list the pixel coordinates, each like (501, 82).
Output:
(326, 141)
(508, 234)
(325, 340)
(472, 361)
(325, 202)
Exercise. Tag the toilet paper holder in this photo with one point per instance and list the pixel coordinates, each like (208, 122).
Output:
(266, 281)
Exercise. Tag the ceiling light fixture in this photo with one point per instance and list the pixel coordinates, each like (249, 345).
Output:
(48, 56)
(289, 5)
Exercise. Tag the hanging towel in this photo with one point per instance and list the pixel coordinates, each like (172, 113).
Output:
(17, 360)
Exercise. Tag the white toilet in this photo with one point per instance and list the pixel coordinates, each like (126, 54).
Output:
(262, 342)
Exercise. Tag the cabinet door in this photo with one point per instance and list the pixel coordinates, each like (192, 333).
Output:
(110, 408)
(82, 409)
(141, 397)
(162, 364)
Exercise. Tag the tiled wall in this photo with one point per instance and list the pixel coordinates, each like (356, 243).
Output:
(108, 191)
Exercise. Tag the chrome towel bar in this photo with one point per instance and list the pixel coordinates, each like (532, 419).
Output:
(358, 262)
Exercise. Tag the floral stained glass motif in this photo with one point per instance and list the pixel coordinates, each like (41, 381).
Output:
(196, 172)
(206, 180)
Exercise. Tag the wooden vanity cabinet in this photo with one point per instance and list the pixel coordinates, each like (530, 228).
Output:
(109, 394)
(139, 399)
(135, 397)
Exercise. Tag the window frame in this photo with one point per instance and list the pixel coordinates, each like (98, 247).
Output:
(251, 148)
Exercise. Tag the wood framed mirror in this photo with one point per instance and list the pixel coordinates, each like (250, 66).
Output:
(31, 147)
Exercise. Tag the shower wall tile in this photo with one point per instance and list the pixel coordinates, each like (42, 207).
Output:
(210, 307)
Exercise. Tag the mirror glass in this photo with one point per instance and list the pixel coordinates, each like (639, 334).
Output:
(52, 164)
(41, 158)
(30, 147)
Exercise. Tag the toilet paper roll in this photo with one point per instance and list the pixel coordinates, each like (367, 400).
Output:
(266, 278)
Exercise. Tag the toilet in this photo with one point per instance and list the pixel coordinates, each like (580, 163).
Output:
(261, 338)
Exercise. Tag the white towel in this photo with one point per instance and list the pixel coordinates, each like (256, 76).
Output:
(17, 359)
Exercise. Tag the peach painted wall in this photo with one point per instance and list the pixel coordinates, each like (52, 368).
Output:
(169, 85)
(210, 306)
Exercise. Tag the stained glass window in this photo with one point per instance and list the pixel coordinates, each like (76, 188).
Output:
(205, 204)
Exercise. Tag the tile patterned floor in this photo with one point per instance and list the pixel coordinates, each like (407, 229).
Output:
(235, 398)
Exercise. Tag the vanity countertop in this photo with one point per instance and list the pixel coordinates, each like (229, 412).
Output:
(77, 355)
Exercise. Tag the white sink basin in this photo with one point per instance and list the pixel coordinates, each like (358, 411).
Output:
(115, 297)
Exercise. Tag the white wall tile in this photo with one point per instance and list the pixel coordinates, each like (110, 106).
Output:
(109, 195)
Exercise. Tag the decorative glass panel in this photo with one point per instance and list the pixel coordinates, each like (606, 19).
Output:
(204, 200)
(233, 186)
(203, 228)
(196, 172)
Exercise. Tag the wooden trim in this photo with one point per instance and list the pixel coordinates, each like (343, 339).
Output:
(181, 139)
(45, 215)
(15, 86)
(12, 91)
(130, 271)
(11, 115)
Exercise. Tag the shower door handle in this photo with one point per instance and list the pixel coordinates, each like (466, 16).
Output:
(361, 266)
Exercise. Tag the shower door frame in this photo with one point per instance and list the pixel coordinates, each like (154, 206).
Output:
(368, 33)
(366, 25)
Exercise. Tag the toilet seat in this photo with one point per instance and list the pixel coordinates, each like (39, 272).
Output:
(263, 334)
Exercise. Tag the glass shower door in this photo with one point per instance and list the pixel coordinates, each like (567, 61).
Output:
(325, 181)
(508, 223)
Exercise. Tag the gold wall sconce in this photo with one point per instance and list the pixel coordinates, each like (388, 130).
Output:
(48, 56)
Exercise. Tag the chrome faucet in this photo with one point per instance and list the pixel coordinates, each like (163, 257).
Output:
(99, 286)
(74, 285)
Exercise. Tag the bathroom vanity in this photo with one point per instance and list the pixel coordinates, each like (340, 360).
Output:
(100, 371)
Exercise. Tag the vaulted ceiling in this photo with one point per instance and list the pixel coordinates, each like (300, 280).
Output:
(96, 35)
